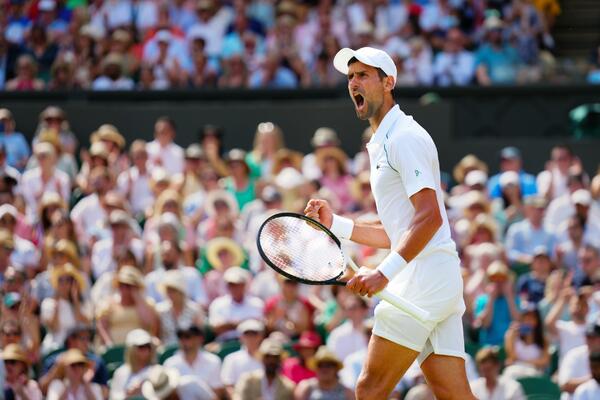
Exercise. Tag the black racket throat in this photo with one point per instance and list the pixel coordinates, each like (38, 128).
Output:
(287, 230)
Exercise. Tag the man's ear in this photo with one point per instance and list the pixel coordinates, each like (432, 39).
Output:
(388, 83)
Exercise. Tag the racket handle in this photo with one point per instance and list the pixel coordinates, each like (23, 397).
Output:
(397, 301)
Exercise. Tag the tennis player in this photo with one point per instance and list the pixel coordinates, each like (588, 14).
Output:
(423, 265)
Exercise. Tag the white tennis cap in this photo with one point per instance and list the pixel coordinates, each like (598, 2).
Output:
(366, 55)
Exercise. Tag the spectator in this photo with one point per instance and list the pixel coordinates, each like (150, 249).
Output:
(327, 383)
(245, 360)
(235, 73)
(140, 356)
(134, 183)
(211, 140)
(349, 337)
(225, 313)
(526, 346)
(8, 55)
(594, 73)
(177, 311)
(497, 308)
(192, 360)
(126, 310)
(524, 26)
(590, 389)
(24, 254)
(497, 62)
(18, 385)
(553, 181)
(10, 176)
(297, 368)
(562, 207)
(190, 182)
(162, 151)
(509, 207)
(272, 74)
(54, 118)
(253, 385)
(14, 143)
(323, 137)
(164, 383)
(573, 371)
(589, 262)
(112, 77)
(76, 383)
(454, 65)
(61, 313)
(80, 338)
(531, 286)
(240, 183)
(567, 251)
(268, 140)
(588, 214)
(289, 312)
(25, 75)
(491, 385)
(64, 161)
(524, 237)
(333, 163)
(571, 332)
(510, 160)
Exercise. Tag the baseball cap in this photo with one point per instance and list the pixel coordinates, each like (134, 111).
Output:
(250, 325)
(366, 55)
(236, 275)
(541, 251)
(138, 337)
(510, 153)
(476, 177)
(581, 196)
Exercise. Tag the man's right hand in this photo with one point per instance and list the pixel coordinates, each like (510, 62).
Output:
(320, 211)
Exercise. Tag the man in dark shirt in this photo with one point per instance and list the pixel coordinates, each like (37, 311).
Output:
(532, 285)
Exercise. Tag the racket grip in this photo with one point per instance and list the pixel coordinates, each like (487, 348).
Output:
(404, 305)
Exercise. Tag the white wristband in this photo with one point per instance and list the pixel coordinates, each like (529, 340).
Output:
(392, 265)
(342, 227)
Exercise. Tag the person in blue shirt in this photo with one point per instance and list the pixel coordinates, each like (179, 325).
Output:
(15, 144)
(79, 338)
(497, 62)
(524, 237)
(498, 307)
(273, 75)
(531, 286)
(510, 160)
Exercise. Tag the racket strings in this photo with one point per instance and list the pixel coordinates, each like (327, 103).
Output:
(300, 250)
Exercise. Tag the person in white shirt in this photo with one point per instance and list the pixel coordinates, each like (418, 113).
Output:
(106, 251)
(171, 255)
(571, 333)
(166, 383)
(162, 151)
(454, 65)
(134, 183)
(350, 336)
(552, 182)
(192, 359)
(226, 312)
(247, 358)
(492, 386)
(574, 369)
(561, 207)
(24, 254)
(423, 265)
(43, 179)
(590, 390)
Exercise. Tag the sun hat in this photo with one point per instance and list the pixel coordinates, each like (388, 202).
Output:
(161, 383)
(250, 325)
(236, 275)
(215, 196)
(14, 352)
(325, 136)
(69, 270)
(73, 356)
(138, 337)
(216, 245)
(366, 55)
(130, 275)
(335, 152)
(173, 279)
(324, 355)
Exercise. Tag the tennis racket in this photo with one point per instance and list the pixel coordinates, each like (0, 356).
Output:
(303, 250)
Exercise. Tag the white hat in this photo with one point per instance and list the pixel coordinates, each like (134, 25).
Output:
(138, 337)
(366, 55)
(509, 178)
(163, 36)
(581, 196)
(8, 209)
(236, 275)
(173, 279)
(476, 177)
(250, 325)
(161, 382)
(47, 5)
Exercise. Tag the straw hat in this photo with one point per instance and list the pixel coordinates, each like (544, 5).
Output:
(67, 269)
(356, 187)
(468, 163)
(45, 148)
(68, 249)
(498, 270)
(98, 149)
(109, 133)
(161, 383)
(14, 352)
(236, 275)
(129, 275)
(324, 355)
(475, 197)
(173, 279)
(325, 137)
(270, 347)
(338, 154)
(220, 195)
(52, 112)
(73, 356)
(286, 156)
(50, 136)
(216, 245)
(52, 199)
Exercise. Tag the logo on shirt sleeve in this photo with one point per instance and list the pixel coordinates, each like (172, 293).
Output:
(417, 172)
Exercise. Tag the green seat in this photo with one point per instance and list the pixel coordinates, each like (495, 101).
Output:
(553, 367)
(114, 357)
(167, 352)
(539, 388)
(472, 348)
(520, 269)
(228, 347)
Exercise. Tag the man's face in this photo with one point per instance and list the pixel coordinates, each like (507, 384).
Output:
(190, 341)
(588, 261)
(510, 164)
(562, 158)
(271, 364)
(163, 132)
(593, 343)
(489, 369)
(366, 89)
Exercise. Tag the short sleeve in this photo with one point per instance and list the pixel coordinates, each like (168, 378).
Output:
(47, 310)
(411, 156)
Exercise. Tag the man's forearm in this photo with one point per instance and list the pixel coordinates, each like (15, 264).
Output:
(372, 235)
(421, 229)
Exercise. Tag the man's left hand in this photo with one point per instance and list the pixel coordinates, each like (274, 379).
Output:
(367, 282)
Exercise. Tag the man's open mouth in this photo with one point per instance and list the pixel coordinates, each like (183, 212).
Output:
(359, 100)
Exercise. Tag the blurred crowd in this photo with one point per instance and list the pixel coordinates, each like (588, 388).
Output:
(130, 270)
(160, 44)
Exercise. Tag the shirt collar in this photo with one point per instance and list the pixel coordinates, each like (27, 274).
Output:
(386, 123)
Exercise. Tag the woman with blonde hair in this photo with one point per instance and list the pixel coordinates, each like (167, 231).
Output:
(468, 163)
(334, 175)
(140, 355)
(267, 140)
(77, 379)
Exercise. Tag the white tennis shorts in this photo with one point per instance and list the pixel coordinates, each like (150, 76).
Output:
(434, 283)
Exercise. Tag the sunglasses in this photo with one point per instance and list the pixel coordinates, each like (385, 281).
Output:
(11, 333)
(144, 346)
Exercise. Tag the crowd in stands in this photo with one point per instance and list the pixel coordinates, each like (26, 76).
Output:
(160, 44)
(131, 270)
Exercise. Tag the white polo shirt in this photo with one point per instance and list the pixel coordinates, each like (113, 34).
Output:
(206, 367)
(404, 160)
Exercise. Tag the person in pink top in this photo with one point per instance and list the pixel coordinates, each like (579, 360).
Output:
(295, 368)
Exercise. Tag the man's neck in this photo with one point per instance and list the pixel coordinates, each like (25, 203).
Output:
(191, 355)
(376, 119)
(491, 383)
